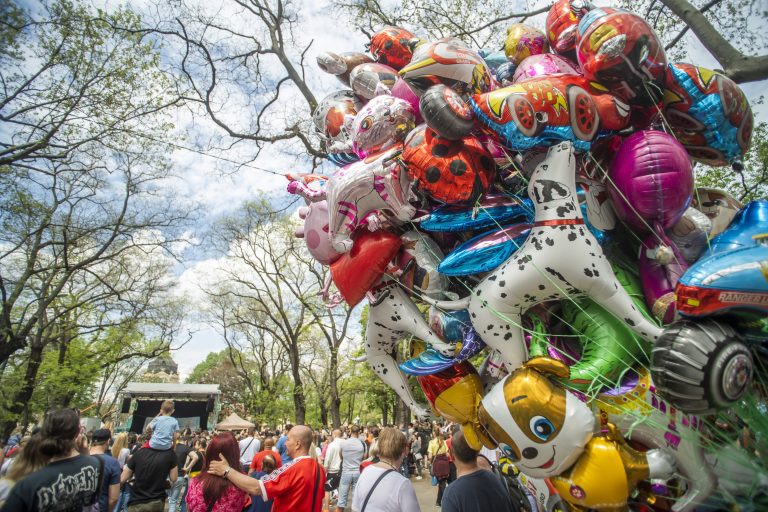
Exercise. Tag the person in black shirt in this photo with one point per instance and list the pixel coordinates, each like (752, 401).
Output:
(71, 481)
(179, 489)
(475, 489)
(152, 469)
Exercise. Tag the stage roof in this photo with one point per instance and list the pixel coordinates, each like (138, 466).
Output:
(158, 388)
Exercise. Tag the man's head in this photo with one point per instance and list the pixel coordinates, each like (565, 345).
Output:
(101, 437)
(299, 441)
(288, 428)
(167, 408)
(336, 433)
(354, 430)
(461, 451)
(252, 432)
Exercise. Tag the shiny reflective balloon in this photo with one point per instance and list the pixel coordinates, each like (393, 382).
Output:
(562, 27)
(393, 46)
(418, 260)
(522, 41)
(493, 209)
(371, 79)
(542, 65)
(621, 51)
(451, 62)
(651, 181)
(334, 115)
(382, 123)
(315, 232)
(341, 64)
(484, 252)
(708, 113)
(453, 172)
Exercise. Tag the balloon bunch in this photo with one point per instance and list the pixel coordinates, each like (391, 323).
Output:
(591, 312)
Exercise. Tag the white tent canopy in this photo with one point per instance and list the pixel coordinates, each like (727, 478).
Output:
(234, 422)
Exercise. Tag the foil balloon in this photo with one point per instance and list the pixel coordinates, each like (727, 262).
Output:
(719, 206)
(372, 79)
(493, 209)
(645, 418)
(341, 64)
(750, 222)
(450, 62)
(355, 272)
(493, 58)
(333, 116)
(652, 181)
(382, 123)
(505, 73)
(315, 232)
(660, 269)
(342, 159)
(538, 112)
(621, 51)
(562, 27)
(484, 252)
(522, 41)
(402, 91)
(431, 361)
(527, 414)
(392, 316)
(417, 263)
(449, 325)
(357, 190)
(393, 46)
(453, 392)
(691, 234)
(608, 346)
(708, 113)
(453, 172)
(542, 65)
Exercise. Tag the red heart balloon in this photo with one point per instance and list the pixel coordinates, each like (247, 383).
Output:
(355, 272)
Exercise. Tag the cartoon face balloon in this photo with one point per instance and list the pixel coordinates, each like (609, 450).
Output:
(523, 41)
(330, 116)
(541, 65)
(454, 172)
(562, 27)
(393, 46)
(709, 114)
(621, 51)
(448, 61)
(371, 80)
(542, 427)
(380, 124)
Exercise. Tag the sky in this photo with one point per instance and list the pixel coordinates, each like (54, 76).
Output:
(220, 188)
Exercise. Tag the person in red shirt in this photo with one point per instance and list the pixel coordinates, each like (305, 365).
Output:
(269, 444)
(296, 487)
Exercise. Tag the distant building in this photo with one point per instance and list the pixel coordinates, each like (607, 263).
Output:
(162, 369)
(197, 405)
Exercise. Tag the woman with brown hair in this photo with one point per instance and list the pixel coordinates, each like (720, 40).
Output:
(381, 488)
(210, 493)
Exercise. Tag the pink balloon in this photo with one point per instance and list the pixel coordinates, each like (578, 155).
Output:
(651, 181)
(544, 64)
(402, 91)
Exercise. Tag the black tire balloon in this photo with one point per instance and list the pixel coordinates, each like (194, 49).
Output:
(446, 112)
(701, 366)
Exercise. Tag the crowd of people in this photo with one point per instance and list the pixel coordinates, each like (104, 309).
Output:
(60, 467)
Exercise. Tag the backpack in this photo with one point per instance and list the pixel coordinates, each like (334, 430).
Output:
(441, 467)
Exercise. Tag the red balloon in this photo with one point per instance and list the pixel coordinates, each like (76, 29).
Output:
(393, 46)
(561, 27)
(356, 271)
(449, 171)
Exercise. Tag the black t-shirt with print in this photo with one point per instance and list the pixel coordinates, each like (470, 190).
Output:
(63, 486)
(150, 469)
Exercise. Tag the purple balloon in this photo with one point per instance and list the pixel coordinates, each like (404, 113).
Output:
(544, 64)
(651, 181)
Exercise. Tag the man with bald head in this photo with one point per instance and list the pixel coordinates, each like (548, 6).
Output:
(295, 487)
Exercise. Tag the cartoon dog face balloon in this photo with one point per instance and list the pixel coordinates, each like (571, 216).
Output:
(380, 124)
(535, 421)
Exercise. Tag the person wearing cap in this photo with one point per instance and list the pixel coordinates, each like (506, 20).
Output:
(110, 486)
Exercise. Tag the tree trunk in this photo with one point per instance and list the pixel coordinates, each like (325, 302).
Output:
(323, 412)
(333, 378)
(384, 413)
(21, 398)
(400, 412)
(299, 400)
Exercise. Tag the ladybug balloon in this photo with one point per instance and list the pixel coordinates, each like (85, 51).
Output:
(621, 51)
(708, 113)
(448, 171)
(393, 46)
